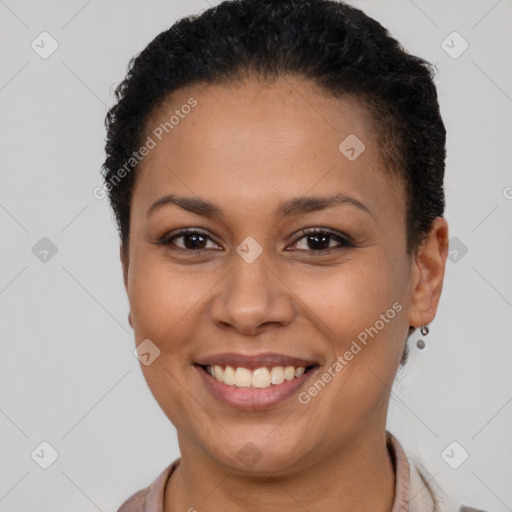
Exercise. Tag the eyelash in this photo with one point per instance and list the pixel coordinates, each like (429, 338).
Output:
(345, 241)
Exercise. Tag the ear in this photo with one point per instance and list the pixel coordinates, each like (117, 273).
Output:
(428, 274)
(124, 263)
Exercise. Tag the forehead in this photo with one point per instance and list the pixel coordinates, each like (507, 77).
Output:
(246, 143)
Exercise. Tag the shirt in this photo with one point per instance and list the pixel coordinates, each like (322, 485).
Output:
(412, 492)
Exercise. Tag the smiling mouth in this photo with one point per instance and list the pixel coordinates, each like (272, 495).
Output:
(257, 378)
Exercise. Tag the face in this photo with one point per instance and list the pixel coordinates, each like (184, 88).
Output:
(250, 270)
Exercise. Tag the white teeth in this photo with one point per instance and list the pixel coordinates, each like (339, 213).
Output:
(229, 376)
(277, 375)
(259, 378)
(218, 373)
(289, 372)
(242, 377)
(299, 371)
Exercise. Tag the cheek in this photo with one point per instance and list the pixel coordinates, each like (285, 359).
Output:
(162, 298)
(170, 392)
(358, 308)
(346, 299)
(164, 304)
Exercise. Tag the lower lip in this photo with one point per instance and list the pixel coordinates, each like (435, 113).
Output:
(251, 399)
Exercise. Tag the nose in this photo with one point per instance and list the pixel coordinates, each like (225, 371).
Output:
(252, 298)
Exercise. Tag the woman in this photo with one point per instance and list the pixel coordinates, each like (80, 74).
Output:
(276, 172)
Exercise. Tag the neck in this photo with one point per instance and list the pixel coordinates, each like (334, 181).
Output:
(358, 477)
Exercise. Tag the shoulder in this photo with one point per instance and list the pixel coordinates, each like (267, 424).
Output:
(136, 502)
(417, 489)
(151, 498)
(430, 492)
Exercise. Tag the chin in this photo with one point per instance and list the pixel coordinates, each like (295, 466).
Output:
(258, 452)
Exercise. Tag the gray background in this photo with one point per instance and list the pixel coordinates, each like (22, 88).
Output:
(67, 372)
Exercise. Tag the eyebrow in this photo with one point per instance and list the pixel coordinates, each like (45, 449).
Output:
(290, 208)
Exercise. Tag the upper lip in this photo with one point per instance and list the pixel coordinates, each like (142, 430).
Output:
(255, 360)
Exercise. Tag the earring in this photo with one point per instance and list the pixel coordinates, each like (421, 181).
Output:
(424, 330)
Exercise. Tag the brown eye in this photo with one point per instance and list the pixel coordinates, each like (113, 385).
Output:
(192, 240)
(320, 240)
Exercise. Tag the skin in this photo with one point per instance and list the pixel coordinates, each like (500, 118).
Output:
(248, 147)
